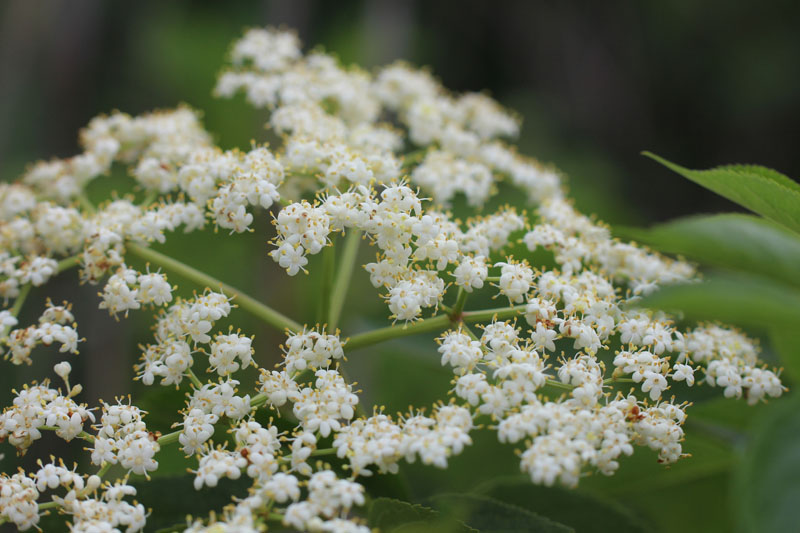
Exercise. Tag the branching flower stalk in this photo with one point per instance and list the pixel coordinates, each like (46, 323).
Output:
(378, 158)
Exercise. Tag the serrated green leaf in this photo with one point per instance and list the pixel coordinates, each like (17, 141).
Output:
(390, 515)
(737, 299)
(596, 514)
(489, 515)
(768, 481)
(734, 241)
(762, 190)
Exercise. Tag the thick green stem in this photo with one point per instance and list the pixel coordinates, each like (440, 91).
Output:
(23, 295)
(169, 438)
(82, 435)
(611, 381)
(104, 469)
(69, 262)
(248, 303)
(500, 313)
(48, 505)
(558, 385)
(343, 275)
(436, 323)
(458, 308)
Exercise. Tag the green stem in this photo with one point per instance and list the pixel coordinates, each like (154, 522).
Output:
(69, 262)
(499, 313)
(558, 385)
(414, 157)
(193, 378)
(376, 336)
(82, 435)
(149, 198)
(610, 381)
(85, 203)
(328, 267)
(458, 308)
(323, 451)
(169, 438)
(469, 332)
(104, 469)
(48, 505)
(23, 294)
(248, 303)
(436, 323)
(343, 275)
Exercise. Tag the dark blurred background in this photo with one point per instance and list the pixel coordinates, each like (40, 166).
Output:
(701, 83)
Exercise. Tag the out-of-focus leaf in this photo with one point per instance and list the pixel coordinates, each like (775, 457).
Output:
(484, 459)
(735, 241)
(641, 472)
(760, 189)
(172, 497)
(698, 505)
(390, 515)
(767, 484)
(596, 514)
(490, 515)
(728, 413)
(738, 299)
(786, 342)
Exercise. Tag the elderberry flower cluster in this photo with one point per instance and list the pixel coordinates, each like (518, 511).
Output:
(571, 373)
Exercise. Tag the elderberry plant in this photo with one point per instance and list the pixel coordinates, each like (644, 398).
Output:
(567, 369)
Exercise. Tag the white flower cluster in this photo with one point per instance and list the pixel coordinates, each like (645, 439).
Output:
(732, 360)
(416, 248)
(328, 497)
(18, 497)
(122, 437)
(55, 325)
(40, 405)
(577, 241)
(311, 349)
(185, 322)
(540, 379)
(107, 511)
(127, 289)
(380, 441)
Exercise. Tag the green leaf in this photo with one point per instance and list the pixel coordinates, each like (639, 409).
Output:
(762, 190)
(737, 299)
(768, 482)
(390, 515)
(172, 498)
(734, 241)
(786, 343)
(641, 472)
(493, 516)
(596, 514)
